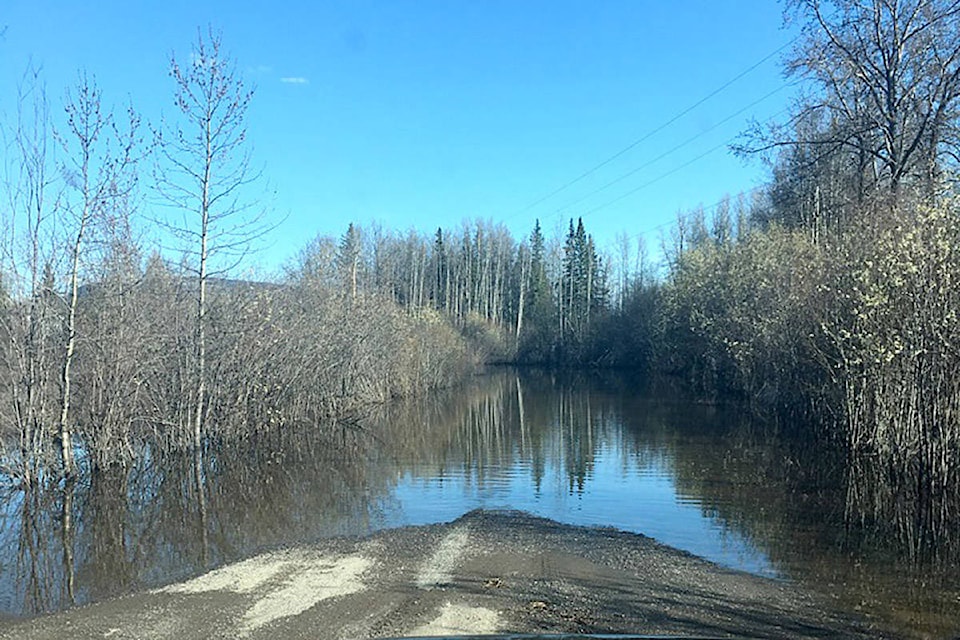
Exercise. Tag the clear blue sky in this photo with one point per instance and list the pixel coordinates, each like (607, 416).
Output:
(422, 113)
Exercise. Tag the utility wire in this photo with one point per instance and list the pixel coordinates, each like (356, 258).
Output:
(654, 131)
(654, 180)
(670, 151)
(660, 177)
(790, 181)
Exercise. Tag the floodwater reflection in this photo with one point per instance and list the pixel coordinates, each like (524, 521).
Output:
(579, 449)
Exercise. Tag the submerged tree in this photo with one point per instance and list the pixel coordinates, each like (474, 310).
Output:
(98, 169)
(206, 166)
(30, 322)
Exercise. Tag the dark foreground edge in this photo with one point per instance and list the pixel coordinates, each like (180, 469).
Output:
(562, 636)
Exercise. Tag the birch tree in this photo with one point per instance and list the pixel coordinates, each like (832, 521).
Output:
(97, 168)
(205, 166)
(31, 195)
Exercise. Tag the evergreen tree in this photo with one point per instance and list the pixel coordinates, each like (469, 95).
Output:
(578, 271)
(539, 336)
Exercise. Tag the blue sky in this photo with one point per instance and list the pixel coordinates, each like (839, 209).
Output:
(423, 113)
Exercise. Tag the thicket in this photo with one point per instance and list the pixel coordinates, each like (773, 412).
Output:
(110, 351)
(837, 303)
(291, 355)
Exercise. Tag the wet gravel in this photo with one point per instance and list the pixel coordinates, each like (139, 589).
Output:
(508, 570)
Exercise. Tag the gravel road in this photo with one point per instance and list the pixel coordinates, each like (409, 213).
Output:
(486, 572)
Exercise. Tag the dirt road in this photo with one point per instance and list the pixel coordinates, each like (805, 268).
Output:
(486, 572)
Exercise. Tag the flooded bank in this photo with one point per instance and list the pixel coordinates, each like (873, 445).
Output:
(487, 572)
(598, 451)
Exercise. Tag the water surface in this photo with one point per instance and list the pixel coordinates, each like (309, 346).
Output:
(590, 450)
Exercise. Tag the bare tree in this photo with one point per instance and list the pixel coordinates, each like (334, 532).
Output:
(119, 328)
(205, 166)
(100, 175)
(31, 200)
(890, 70)
(881, 111)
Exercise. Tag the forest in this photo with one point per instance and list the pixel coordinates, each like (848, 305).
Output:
(826, 301)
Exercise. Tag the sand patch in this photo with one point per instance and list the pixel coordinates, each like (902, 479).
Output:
(438, 569)
(324, 578)
(289, 583)
(456, 619)
(242, 577)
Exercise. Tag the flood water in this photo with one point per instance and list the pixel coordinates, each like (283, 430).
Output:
(590, 450)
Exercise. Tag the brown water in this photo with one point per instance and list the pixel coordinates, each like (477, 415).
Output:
(583, 450)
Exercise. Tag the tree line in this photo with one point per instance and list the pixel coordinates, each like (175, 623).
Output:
(534, 300)
(827, 298)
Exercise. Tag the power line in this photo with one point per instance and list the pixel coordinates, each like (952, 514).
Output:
(649, 183)
(656, 130)
(790, 181)
(670, 151)
(661, 176)
(657, 179)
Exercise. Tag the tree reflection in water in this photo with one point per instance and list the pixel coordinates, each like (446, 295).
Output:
(880, 542)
